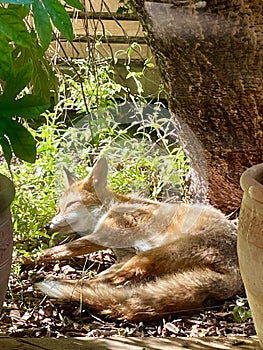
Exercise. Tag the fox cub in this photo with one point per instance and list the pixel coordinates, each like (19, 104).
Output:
(172, 257)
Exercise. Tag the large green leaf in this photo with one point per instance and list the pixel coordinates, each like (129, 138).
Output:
(6, 63)
(75, 3)
(13, 27)
(44, 80)
(42, 22)
(29, 106)
(15, 83)
(59, 17)
(6, 148)
(22, 142)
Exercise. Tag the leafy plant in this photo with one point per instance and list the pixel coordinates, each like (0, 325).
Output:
(139, 137)
(35, 197)
(132, 74)
(28, 106)
(84, 89)
(23, 41)
(241, 311)
(143, 154)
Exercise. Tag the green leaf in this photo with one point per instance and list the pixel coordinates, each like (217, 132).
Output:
(44, 80)
(75, 3)
(15, 83)
(21, 10)
(22, 142)
(42, 22)
(13, 27)
(6, 63)
(21, 56)
(122, 9)
(29, 106)
(149, 65)
(6, 148)
(60, 18)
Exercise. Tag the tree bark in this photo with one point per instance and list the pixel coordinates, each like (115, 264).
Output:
(210, 56)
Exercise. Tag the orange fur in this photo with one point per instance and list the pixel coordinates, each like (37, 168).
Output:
(173, 257)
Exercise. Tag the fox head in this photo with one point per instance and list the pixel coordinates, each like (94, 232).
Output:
(83, 203)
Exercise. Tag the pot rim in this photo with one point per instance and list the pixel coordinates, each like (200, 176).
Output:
(251, 182)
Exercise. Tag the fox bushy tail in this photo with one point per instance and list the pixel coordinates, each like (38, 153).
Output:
(151, 300)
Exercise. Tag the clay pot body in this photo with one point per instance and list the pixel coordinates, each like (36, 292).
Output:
(7, 193)
(250, 242)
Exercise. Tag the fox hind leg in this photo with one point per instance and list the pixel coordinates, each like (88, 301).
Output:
(144, 266)
(183, 254)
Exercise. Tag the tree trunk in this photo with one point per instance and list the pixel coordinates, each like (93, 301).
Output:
(210, 55)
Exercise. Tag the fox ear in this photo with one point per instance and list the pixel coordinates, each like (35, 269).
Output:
(100, 173)
(98, 176)
(69, 178)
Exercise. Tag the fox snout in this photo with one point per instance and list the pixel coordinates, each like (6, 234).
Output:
(64, 223)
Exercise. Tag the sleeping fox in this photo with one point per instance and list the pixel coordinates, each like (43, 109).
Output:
(171, 257)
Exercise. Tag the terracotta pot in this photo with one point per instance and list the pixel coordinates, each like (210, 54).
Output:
(250, 242)
(7, 194)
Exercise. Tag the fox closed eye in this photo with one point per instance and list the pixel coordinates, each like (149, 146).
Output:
(70, 204)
